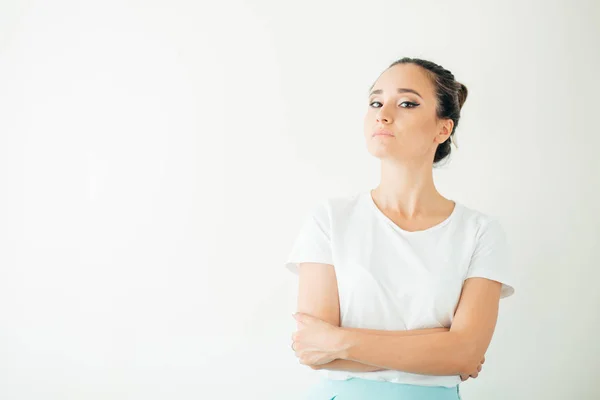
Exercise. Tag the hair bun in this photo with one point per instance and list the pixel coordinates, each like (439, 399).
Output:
(462, 94)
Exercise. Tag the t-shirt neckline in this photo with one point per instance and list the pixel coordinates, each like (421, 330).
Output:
(376, 209)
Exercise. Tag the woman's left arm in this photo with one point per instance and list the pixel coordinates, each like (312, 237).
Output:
(456, 352)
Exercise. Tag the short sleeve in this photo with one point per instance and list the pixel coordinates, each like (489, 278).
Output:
(313, 241)
(491, 258)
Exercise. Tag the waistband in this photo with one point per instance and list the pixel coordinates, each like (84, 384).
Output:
(367, 389)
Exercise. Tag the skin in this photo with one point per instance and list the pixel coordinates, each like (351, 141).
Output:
(406, 192)
(407, 195)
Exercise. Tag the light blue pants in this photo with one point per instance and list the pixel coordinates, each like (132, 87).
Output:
(368, 389)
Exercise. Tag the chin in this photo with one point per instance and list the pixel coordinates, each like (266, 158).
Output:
(380, 152)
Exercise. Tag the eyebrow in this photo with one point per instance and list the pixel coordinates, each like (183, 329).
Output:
(399, 90)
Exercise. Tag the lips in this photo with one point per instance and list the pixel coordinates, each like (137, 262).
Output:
(383, 132)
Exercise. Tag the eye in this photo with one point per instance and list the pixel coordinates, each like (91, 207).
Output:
(412, 105)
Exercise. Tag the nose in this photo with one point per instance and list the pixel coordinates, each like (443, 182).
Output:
(382, 116)
(382, 119)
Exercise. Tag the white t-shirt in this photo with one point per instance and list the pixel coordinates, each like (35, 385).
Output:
(392, 279)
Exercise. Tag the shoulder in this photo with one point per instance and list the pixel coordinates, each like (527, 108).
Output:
(482, 227)
(479, 220)
(338, 206)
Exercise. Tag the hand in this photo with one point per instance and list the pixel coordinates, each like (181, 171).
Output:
(316, 342)
(473, 374)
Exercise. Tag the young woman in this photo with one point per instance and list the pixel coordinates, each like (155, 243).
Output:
(399, 287)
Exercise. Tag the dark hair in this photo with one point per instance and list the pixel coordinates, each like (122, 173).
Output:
(451, 96)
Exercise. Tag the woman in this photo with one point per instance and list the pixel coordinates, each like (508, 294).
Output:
(399, 287)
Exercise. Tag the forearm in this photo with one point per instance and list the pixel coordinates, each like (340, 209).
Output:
(441, 353)
(355, 366)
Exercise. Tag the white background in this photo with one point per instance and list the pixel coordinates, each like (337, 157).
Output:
(157, 159)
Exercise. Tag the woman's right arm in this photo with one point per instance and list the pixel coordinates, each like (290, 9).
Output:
(318, 296)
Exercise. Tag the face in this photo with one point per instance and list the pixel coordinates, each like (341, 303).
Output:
(409, 118)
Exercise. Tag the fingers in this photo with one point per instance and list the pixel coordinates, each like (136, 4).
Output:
(476, 374)
(473, 375)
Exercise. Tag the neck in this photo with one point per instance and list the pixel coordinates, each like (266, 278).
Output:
(408, 190)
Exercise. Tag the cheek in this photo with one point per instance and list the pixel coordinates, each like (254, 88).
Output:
(422, 128)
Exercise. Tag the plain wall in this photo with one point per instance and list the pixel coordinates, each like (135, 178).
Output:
(157, 159)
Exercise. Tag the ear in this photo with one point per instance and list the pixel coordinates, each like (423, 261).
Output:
(445, 131)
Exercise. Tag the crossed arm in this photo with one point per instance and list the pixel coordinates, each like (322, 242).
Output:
(342, 364)
(437, 351)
